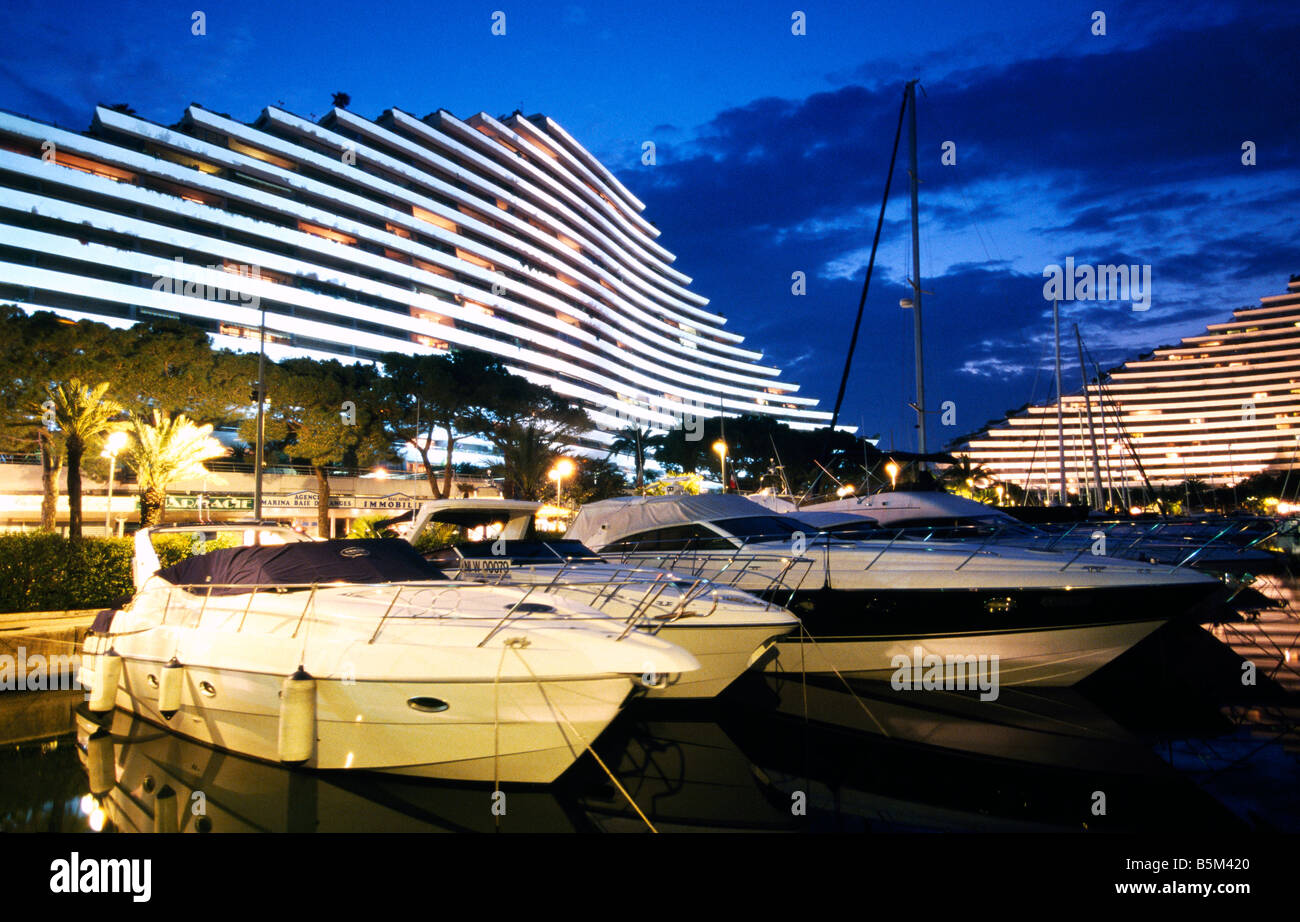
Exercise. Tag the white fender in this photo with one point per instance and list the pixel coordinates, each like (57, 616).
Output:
(165, 805)
(108, 673)
(297, 717)
(101, 767)
(170, 683)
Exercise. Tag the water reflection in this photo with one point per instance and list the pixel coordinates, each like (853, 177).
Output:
(778, 755)
(874, 759)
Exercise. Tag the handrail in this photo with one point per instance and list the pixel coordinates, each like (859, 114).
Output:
(879, 555)
(1207, 543)
(384, 617)
(509, 614)
(719, 567)
(975, 553)
(305, 607)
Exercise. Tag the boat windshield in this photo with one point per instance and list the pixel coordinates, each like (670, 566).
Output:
(938, 528)
(527, 551)
(763, 527)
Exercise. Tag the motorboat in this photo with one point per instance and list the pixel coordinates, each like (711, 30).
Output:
(497, 540)
(1224, 545)
(872, 607)
(357, 654)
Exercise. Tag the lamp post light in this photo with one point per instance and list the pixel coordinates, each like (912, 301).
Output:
(720, 447)
(259, 452)
(115, 442)
(892, 470)
(563, 468)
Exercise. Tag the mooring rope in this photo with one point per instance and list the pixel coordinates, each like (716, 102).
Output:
(849, 688)
(496, 734)
(622, 790)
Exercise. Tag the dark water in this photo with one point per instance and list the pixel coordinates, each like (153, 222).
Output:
(1165, 739)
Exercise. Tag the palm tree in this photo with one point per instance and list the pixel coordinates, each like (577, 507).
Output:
(635, 441)
(966, 472)
(82, 414)
(164, 452)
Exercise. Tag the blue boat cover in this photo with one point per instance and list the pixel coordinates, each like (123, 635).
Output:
(372, 560)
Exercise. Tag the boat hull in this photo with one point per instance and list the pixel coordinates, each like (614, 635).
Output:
(1040, 637)
(1044, 657)
(526, 732)
(724, 652)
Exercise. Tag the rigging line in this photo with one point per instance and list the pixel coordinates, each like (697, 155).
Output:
(862, 301)
(980, 230)
(1033, 458)
(1128, 443)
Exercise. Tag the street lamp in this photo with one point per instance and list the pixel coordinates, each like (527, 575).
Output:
(721, 448)
(892, 470)
(115, 442)
(563, 468)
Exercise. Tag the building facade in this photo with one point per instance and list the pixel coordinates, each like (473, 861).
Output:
(1217, 407)
(359, 237)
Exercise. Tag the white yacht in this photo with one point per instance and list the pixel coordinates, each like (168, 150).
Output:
(1048, 619)
(1221, 545)
(496, 540)
(356, 654)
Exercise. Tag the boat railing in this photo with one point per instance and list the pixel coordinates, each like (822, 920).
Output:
(772, 576)
(649, 600)
(1149, 545)
(630, 593)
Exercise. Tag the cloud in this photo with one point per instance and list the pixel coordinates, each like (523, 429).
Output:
(1126, 154)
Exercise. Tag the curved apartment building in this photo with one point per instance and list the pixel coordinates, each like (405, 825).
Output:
(1220, 407)
(360, 237)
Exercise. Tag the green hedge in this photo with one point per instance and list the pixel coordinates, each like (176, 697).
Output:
(44, 572)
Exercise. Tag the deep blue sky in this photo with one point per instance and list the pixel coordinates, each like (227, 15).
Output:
(772, 150)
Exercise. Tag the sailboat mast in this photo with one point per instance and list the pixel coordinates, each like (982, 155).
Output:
(1092, 433)
(1060, 413)
(916, 273)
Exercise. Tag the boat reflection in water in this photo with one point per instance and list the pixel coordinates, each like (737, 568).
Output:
(148, 779)
(866, 757)
(759, 759)
(683, 775)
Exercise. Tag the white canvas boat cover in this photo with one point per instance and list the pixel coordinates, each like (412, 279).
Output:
(775, 503)
(602, 523)
(887, 506)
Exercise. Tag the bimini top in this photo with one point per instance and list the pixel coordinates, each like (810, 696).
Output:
(602, 523)
(375, 560)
